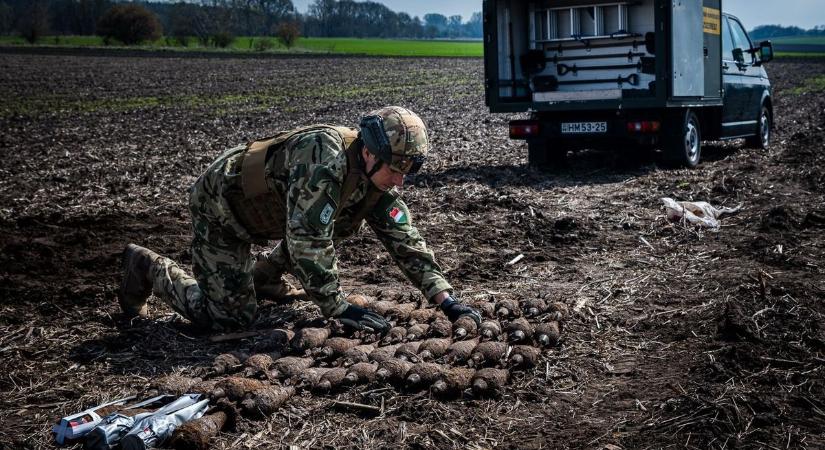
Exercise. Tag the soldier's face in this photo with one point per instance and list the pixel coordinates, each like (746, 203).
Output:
(386, 178)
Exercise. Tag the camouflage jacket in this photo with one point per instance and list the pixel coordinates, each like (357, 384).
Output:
(309, 179)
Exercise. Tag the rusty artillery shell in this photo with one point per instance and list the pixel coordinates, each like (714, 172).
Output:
(487, 309)
(417, 331)
(460, 351)
(204, 387)
(453, 381)
(311, 376)
(533, 307)
(401, 311)
(490, 329)
(382, 353)
(362, 372)
(237, 388)
(383, 307)
(424, 374)
(309, 338)
(421, 316)
(257, 364)
(336, 346)
(433, 348)
(489, 380)
(174, 384)
(273, 340)
(441, 327)
(225, 363)
(395, 335)
(520, 330)
(195, 434)
(488, 353)
(290, 366)
(408, 351)
(547, 334)
(465, 327)
(357, 354)
(393, 370)
(332, 379)
(362, 301)
(266, 401)
(524, 356)
(559, 311)
(508, 309)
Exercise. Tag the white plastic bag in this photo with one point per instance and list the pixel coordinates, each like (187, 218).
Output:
(701, 214)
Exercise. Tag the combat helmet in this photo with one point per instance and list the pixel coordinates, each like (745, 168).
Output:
(397, 136)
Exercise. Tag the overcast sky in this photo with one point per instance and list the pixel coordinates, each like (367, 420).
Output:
(802, 13)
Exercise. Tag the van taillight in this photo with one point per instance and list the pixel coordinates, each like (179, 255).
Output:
(523, 129)
(644, 126)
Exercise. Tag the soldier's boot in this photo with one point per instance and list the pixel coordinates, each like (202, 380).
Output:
(270, 283)
(136, 286)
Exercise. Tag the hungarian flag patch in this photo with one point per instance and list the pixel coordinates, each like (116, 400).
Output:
(397, 215)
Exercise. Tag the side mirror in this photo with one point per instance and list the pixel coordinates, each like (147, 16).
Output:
(765, 51)
(739, 56)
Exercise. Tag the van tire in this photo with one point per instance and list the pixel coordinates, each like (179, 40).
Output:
(762, 139)
(682, 140)
(546, 154)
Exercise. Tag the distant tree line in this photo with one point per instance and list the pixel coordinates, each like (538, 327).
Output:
(211, 21)
(770, 31)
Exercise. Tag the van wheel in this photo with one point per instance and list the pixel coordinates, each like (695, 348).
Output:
(546, 154)
(763, 137)
(683, 140)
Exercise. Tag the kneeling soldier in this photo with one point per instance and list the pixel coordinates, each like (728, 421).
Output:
(308, 188)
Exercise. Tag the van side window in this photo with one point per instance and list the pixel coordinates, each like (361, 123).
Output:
(740, 37)
(727, 41)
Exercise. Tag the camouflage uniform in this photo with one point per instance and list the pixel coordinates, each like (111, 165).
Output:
(307, 182)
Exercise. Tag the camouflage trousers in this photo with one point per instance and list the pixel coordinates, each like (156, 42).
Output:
(221, 295)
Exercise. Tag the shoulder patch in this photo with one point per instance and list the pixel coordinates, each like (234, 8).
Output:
(397, 215)
(326, 214)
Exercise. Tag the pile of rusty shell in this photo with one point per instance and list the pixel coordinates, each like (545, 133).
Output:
(433, 348)
(417, 331)
(395, 335)
(361, 301)
(508, 309)
(559, 311)
(176, 385)
(196, 434)
(453, 382)
(489, 380)
(520, 330)
(311, 376)
(488, 353)
(547, 334)
(401, 311)
(357, 354)
(361, 373)
(331, 379)
(226, 363)
(486, 309)
(266, 401)
(290, 366)
(424, 374)
(383, 307)
(334, 347)
(382, 353)
(393, 370)
(465, 327)
(408, 351)
(524, 356)
(490, 330)
(309, 338)
(422, 316)
(273, 340)
(237, 388)
(257, 364)
(460, 351)
(205, 387)
(441, 327)
(534, 307)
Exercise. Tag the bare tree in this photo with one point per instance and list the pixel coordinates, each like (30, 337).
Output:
(34, 23)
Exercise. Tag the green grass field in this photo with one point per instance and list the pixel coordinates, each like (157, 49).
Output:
(350, 46)
(799, 40)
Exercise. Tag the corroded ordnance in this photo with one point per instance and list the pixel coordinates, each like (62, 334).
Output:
(453, 382)
(273, 340)
(362, 372)
(383, 307)
(257, 364)
(520, 330)
(417, 331)
(395, 335)
(408, 351)
(290, 366)
(424, 374)
(332, 379)
(559, 311)
(205, 387)
(266, 401)
(393, 370)
(487, 309)
(382, 353)
(336, 346)
(460, 351)
(176, 385)
(547, 334)
(357, 354)
(226, 363)
(508, 309)
(311, 376)
(533, 307)
(433, 348)
(488, 353)
(422, 316)
(441, 328)
(490, 329)
(195, 434)
(401, 311)
(309, 338)
(465, 327)
(237, 388)
(362, 301)
(524, 356)
(489, 380)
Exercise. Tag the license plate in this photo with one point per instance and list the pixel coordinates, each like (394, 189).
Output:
(583, 127)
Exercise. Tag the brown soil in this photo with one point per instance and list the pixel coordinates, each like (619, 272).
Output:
(677, 337)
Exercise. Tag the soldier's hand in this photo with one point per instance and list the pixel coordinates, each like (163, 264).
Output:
(362, 319)
(453, 310)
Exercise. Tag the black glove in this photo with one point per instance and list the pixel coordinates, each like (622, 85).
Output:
(361, 319)
(453, 310)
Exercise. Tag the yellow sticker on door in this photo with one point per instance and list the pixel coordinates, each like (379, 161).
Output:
(711, 21)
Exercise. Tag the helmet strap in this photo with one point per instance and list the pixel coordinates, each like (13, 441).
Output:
(375, 168)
